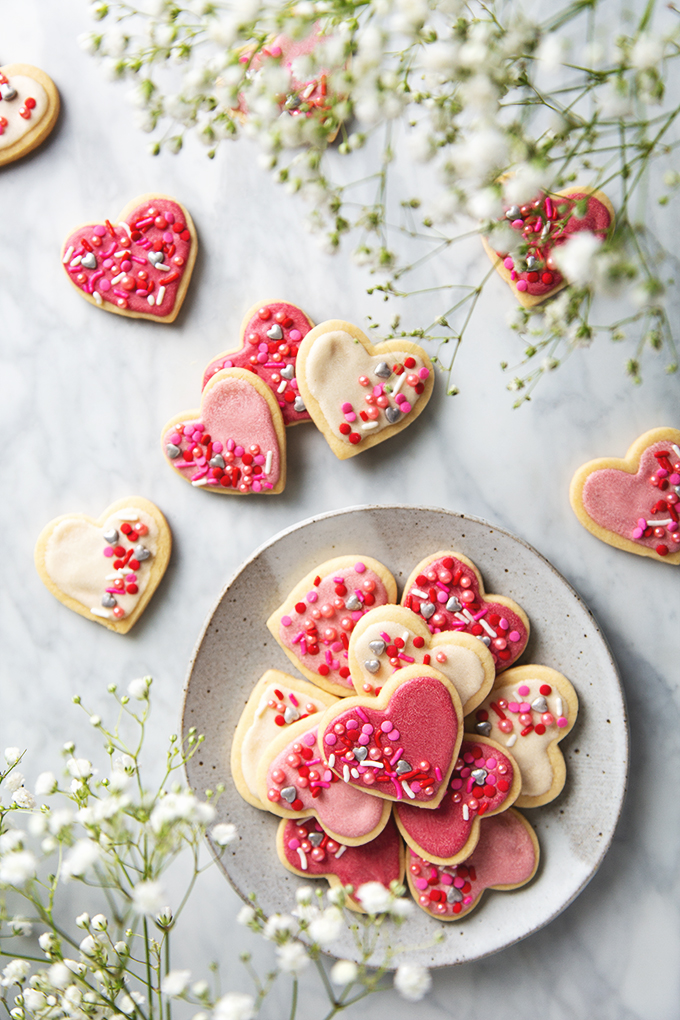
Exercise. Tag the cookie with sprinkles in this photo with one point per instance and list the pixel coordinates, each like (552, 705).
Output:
(29, 107)
(543, 225)
(106, 569)
(357, 393)
(271, 333)
(306, 850)
(140, 264)
(485, 781)
(505, 858)
(235, 443)
(633, 502)
(390, 638)
(294, 782)
(447, 591)
(528, 712)
(314, 623)
(402, 744)
(277, 701)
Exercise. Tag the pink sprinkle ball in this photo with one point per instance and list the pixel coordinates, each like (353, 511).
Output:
(364, 739)
(295, 335)
(513, 635)
(674, 479)
(330, 739)
(523, 690)
(513, 706)
(238, 451)
(346, 407)
(405, 407)
(503, 624)
(293, 844)
(104, 285)
(217, 448)
(562, 722)
(168, 237)
(175, 438)
(400, 398)
(169, 217)
(99, 231)
(286, 621)
(522, 285)
(386, 726)
(360, 568)
(508, 263)
(517, 224)
(309, 739)
(638, 532)
(424, 373)
(108, 551)
(312, 596)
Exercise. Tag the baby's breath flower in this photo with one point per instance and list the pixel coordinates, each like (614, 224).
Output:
(176, 982)
(246, 915)
(148, 898)
(45, 784)
(374, 897)
(82, 855)
(12, 755)
(18, 867)
(344, 972)
(139, 689)
(412, 981)
(15, 973)
(224, 833)
(234, 1006)
(292, 957)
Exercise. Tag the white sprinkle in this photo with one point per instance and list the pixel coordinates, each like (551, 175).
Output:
(128, 513)
(374, 764)
(76, 261)
(559, 706)
(101, 612)
(268, 462)
(164, 269)
(400, 382)
(116, 575)
(368, 425)
(200, 481)
(512, 741)
(125, 227)
(345, 773)
(97, 296)
(466, 813)
(308, 91)
(282, 385)
(151, 299)
(655, 524)
(676, 449)
(161, 295)
(407, 789)
(118, 278)
(120, 254)
(487, 628)
(340, 851)
(468, 616)
(68, 254)
(331, 761)
(355, 773)
(303, 859)
(418, 593)
(459, 616)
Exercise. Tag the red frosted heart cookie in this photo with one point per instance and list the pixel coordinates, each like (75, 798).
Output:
(632, 502)
(484, 782)
(447, 591)
(139, 266)
(235, 443)
(400, 745)
(29, 107)
(306, 850)
(314, 622)
(293, 781)
(506, 857)
(543, 225)
(271, 333)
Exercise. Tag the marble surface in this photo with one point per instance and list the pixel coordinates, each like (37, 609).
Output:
(83, 396)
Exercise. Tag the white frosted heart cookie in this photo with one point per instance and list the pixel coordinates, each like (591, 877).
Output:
(277, 701)
(29, 107)
(390, 638)
(107, 569)
(357, 393)
(529, 710)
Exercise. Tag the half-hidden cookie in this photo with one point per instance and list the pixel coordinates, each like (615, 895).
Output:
(447, 591)
(294, 782)
(402, 744)
(29, 107)
(529, 710)
(107, 569)
(544, 224)
(359, 394)
(235, 443)
(139, 265)
(484, 782)
(314, 622)
(306, 850)
(506, 857)
(391, 637)
(277, 700)
(271, 333)
(632, 502)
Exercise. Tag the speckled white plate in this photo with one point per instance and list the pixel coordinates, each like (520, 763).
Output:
(235, 648)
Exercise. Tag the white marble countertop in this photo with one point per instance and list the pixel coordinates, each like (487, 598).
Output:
(83, 396)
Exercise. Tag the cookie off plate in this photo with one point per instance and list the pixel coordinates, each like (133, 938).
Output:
(235, 648)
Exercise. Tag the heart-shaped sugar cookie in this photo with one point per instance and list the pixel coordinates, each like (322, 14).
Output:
(529, 710)
(633, 502)
(543, 225)
(306, 850)
(271, 333)
(359, 394)
(484, 782)
(276, 702)
(107, 569)
(138, 266)
(29, 107)
(294, 782)
(235, 443)
(400, 745)
(390, 638)
(314, 622)
(506, 857)
(447, 591)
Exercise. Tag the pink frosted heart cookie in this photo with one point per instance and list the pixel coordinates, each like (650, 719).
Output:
(447, 591)
(306, 850)
(484, 782)
(400, 745)
(359, 394)
(138, 266)
(276, 702)
(107, 569)
(632, 502)
(506, 857)
(529, 711)
(29, 107)
(543, 225)
(271, 333)
(315, 621)
(235, 443)
(294, 782)
(390, 638)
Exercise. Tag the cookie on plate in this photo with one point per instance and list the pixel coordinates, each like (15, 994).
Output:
(29, 107)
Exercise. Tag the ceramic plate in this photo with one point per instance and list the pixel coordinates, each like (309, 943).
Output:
(235, 648)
